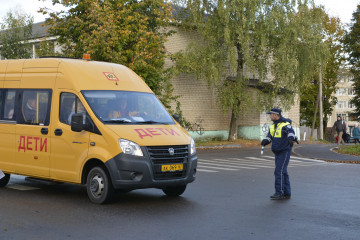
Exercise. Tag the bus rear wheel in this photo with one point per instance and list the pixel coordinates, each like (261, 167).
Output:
(5, 180)
(98, 186)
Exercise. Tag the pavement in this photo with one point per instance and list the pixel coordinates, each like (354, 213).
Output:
(323, 152)
(319, 151)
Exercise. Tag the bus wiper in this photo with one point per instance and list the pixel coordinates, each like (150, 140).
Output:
(117, 121)
(152, 122)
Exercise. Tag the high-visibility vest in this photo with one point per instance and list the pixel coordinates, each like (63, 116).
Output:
(277, 133)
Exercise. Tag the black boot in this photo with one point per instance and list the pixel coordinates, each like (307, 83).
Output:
(277, 197)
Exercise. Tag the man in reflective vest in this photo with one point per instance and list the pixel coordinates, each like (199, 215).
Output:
(282, 136)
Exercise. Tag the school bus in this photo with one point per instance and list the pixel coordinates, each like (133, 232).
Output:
(92, 123)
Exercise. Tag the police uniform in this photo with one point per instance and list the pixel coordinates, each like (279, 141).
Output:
(282, 135)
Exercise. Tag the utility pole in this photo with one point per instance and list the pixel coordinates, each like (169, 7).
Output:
(321, 105)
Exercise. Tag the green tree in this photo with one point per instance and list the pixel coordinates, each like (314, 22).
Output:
(276, 41)
(333, 35)
(128, 32)
(46, 48)
(16, 30)
(352, 47)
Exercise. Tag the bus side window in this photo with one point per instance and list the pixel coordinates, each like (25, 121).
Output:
(35, 107)
(67, 105)
(9, 108)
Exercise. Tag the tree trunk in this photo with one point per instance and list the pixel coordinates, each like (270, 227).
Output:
(233, 131)
(314, 119)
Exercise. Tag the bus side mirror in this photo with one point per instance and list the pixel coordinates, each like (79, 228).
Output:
(176, 117)
(77, 122)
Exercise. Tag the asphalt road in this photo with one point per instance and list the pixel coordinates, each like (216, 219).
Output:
(229, 200)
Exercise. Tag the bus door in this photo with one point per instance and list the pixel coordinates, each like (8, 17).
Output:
(69, 149)
(32, 150)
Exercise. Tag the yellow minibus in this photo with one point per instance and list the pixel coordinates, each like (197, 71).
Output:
(91, 123)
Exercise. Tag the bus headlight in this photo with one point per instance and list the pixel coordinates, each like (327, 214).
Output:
(192, 147)
(129, 147)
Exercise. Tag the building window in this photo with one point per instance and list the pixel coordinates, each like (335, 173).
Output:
(341, 104)
(341, 91)
(343, 116)
(352, 117)
(351, 91)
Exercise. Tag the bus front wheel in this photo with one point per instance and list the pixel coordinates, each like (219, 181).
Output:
(98, 186)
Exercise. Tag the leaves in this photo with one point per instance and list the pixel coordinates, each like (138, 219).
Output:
(333, 33)
(127, 32)
(276, 41)
(352, 47)
(16, 31)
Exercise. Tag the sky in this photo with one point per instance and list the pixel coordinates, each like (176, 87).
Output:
(340, 8)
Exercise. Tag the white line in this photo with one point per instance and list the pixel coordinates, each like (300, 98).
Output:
(307, 165)
(257, 161)
(308, 159)
(238, 163)
(260, 159)
(222, 165)
(219, 168)
(299, 160)
(204, 170)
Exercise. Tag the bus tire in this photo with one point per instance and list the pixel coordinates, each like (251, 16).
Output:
(98, 186)
(5, 180)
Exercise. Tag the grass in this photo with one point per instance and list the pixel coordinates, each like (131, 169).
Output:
(352, 150)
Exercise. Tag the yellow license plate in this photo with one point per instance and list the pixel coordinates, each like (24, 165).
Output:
(172, 167)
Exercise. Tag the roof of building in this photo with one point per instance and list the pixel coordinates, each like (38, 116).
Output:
(38, 31)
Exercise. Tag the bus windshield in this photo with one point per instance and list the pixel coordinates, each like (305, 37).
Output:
(123, 107)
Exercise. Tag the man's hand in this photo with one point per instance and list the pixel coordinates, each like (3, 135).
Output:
(265, 142)
(291, 142)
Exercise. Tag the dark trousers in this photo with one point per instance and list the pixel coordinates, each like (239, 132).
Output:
(282, 181)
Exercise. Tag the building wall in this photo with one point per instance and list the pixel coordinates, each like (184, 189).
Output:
(198, 100)
(255, 124)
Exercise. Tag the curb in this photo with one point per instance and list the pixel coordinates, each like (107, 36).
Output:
(219, 146)
(299, 155)
(327, 160)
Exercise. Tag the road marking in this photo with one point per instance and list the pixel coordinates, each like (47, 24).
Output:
(227, 165)
(245, 163)
(250, 163)
(205, 170)
(218, 168)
